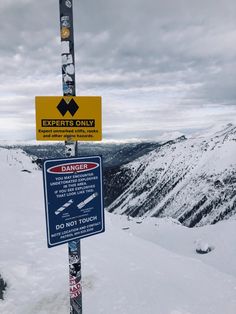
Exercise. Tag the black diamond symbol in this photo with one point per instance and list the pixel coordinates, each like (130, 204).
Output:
(72, 107)
(63, 107)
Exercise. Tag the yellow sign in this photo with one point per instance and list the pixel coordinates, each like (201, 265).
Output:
(68, 118)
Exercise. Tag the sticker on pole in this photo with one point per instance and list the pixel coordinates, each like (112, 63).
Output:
(68, 118)
(73, 198)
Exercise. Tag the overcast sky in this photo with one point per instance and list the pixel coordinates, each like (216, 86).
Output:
(161, 66)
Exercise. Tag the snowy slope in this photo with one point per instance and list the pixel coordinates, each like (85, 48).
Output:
(15, 159)
(150, 268)
(192, 180)
(173, 236)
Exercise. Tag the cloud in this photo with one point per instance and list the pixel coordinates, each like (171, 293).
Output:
(159, 65)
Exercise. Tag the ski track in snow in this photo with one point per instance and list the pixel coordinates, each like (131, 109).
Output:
(149, 268)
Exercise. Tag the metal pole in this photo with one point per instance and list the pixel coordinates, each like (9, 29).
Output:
(68, 82)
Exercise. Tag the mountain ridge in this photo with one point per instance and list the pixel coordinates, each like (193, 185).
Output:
(192, 180)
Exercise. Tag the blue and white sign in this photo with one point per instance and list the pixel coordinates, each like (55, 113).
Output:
(73, 198)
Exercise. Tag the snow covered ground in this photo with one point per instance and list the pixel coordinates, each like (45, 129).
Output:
(135, 267)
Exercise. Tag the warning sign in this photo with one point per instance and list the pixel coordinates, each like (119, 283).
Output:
(73, 189)
(68, 118)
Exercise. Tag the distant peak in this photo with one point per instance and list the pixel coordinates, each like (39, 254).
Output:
(181, 138)
(177, 140)
(216, 131)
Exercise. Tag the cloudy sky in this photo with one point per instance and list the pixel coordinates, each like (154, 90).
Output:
(161, 66)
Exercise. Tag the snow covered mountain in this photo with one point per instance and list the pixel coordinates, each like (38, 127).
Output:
(16, 160)
(135, 267)
(192, 180)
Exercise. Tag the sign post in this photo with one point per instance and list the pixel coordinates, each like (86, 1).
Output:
(73, 186)
(68, 83)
